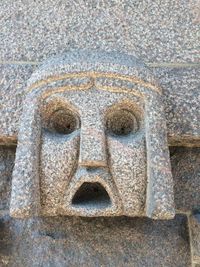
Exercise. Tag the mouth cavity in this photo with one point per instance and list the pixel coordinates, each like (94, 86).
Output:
(91, 196)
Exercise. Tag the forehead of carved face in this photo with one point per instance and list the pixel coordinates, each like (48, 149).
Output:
(93, 154)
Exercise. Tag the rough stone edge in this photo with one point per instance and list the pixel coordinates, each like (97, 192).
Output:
(195, 259)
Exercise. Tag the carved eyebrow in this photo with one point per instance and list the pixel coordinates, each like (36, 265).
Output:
(55, 102)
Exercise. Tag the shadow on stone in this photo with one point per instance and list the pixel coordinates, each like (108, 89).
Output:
(92, 196)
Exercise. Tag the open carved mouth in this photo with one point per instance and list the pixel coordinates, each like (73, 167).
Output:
(91, 196)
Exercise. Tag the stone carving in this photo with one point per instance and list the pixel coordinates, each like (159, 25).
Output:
(92, 141)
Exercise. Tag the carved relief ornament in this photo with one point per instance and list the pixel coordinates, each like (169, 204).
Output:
(92, 141)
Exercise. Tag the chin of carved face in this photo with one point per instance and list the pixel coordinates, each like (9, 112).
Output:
(93, 154)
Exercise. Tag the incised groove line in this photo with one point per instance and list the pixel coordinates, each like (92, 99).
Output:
(93, 75)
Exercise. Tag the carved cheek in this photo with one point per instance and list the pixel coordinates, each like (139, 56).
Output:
(58, 162)
(127, 159)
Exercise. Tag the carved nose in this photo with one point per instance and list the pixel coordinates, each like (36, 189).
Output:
(92, 148)
(92, 192)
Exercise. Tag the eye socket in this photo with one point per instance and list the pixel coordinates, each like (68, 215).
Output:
(63, 122)
(122, 122)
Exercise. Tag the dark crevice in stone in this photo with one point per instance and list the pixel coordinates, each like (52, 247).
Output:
(92, 196)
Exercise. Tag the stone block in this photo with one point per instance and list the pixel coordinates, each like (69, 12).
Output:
(5, 240)
(186, 174)
(88, 242)
(155, 31)
(194, 224)
(13, 82)
(181, 97)
(7, 157)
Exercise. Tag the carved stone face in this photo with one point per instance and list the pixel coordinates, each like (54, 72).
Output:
(92, 141)
(93, 154)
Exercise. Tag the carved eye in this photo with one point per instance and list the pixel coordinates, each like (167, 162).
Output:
(63, 122)
(122, 122)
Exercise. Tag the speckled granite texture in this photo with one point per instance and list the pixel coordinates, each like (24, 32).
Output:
(182, 113)
(7, 157)
(167, 243)
(116, 136)
(194, 225)
(186, 172)
(166, 31)
(89, 242)
(166, 36)
(181, 96)
(12, 85)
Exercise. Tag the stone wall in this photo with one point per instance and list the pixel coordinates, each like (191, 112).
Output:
(165, 35)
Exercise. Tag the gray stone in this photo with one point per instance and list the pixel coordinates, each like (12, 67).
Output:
(194, 224)
(181, 96)
(114, 142)
(5, 240)
(88, 242)
(185, 169)
(7, 157)
(13, 82)
(157, 32)
(186, 174)
(81, 151)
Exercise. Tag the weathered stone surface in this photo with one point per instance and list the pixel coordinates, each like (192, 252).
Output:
(160, 32)
(82, 110)
(194, 224)
(12, 85)
(186, 174)
(162, 240)
(56, 247)
(185, 169)
(181, 96)
(6, 238)
(7, 157)
(122, 241)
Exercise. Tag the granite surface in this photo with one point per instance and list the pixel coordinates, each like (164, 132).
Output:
(185, 169)
(12, 85)
(7, 157)
(65, 241)
(186, 173)
(89, 242)
(167, 31)
(82, 110)
(6, 240)
(166, 242)
(181, 96)
(161, 33)
(194, 225)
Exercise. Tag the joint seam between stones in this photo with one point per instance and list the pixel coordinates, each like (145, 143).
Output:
(149, 64)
